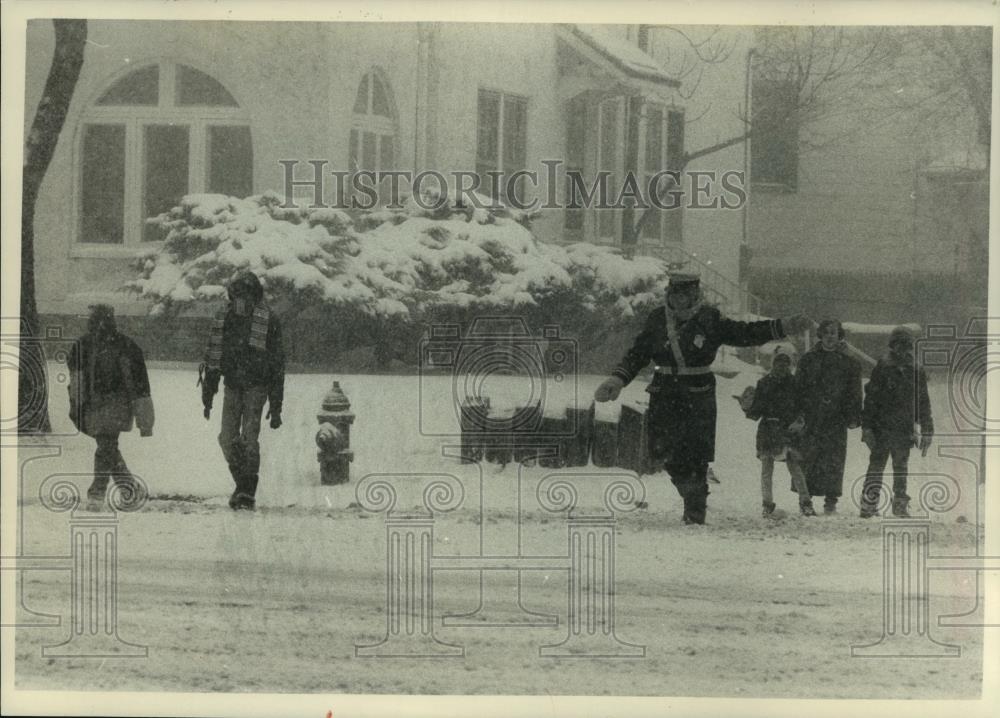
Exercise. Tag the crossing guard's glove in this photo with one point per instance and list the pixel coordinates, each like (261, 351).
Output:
(609, 389)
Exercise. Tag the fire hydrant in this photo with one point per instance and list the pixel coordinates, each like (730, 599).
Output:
(334, 437)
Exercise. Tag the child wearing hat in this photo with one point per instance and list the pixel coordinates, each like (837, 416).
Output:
(896, 401)
(775, 403)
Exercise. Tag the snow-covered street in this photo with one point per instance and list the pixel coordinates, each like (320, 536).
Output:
(276, 601)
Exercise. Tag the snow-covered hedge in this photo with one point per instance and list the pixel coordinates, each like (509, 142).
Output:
(401, 264)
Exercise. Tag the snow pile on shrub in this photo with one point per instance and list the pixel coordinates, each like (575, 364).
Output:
(386, 263)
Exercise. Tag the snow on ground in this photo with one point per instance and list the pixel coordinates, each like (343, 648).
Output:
(276, 601)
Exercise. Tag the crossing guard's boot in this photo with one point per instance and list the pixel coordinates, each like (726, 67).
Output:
(695, 504)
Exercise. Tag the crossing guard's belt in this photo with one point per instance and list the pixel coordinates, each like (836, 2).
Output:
(682, 371)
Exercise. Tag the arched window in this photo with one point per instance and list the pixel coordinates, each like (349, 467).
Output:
(157, 133)
(373, 126)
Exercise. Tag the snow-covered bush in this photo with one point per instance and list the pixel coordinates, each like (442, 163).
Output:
(384, 274)
(386, 263)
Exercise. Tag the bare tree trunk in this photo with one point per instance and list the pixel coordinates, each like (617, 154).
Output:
(67, 60)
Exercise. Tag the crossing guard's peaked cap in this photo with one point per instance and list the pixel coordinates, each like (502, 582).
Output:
(683, 281)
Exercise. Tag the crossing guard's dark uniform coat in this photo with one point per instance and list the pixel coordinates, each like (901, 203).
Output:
(682, 409)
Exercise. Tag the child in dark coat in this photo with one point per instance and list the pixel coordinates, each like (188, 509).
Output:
(896, 401)
(775, 403)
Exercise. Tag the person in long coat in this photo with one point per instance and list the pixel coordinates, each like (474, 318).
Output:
(829, 388)
(108, 391)
(682, 338)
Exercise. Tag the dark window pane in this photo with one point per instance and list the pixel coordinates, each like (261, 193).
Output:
(103, 184)
(654, 139)
(140, 87)
(515, 133)
(194, 87)
(354, 161)
(774, 151)
(385, 160)
(651, 228)
(230, 160)
(675, 140)
(380, 98)
(368, 151)
(576, 138)
(166, 152)
(515, 140)
(608, 163)
(361, 101)
(673, 221)
(487, 135)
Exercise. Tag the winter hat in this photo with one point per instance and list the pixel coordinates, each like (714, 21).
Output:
(781, 354)
(246, 284)
(681, 280)
(102, 319)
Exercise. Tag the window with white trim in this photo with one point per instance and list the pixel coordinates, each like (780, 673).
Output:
(159, 132)
(662, 136)
(501, 141)
(373, 126)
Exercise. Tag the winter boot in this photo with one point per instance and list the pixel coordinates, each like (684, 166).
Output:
(244, 502)
(695, 505)
(768, 509)
(806, 508)
(830, 505)
(899, 508)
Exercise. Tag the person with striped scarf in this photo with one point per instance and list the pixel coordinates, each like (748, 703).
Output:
(245, 348)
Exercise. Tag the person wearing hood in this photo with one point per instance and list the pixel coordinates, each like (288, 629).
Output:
(244, 348)
(775, 402)
(682, 338)
(108, 390)
(896, 403)
(829, 389)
